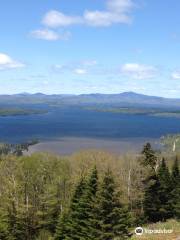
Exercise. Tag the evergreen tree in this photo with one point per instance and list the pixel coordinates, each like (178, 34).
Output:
(158, 197)
(157, 184)
(152, 202)
(164, 192)
(175, 172)
(175, 178)
(69, 225)
(113, 218)
(4, 235)
(149, 157)
(87, 203)
(25, 227)
(81, 216)
(62, 230)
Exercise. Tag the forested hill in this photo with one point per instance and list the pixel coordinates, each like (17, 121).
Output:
(122, 99)
(90, 195)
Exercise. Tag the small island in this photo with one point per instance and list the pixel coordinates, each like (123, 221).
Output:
(137, 111)
(5, 112)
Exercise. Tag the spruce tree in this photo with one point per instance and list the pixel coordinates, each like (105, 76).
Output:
(4, 234)
(25, 226)
(151, 199)
(81, 217)
(69, 225)
(149, 157)
(175, 171)
(158, 195)
(87, 203)
(113, 218)
(164, 192)
(152, 185)
(175, 178)
(61, 229)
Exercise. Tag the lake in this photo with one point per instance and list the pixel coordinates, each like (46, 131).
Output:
(79, 123)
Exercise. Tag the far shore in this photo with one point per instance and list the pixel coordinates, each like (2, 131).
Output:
(69, 145)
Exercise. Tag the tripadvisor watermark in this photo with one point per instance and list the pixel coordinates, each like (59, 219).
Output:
(140, 231)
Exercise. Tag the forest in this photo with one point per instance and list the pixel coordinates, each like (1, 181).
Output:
(86, 196)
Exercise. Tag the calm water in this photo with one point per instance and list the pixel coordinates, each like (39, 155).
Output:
(83, 123)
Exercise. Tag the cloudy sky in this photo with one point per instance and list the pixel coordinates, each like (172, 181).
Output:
(90, 46)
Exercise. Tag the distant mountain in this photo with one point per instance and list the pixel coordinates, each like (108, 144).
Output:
(126, 99)
(123, 99)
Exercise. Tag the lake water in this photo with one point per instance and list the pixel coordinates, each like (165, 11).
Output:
(74, 122)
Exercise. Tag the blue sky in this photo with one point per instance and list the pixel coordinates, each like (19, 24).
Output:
(88, 46)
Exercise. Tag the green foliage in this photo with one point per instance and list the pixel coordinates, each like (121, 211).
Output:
(34, 191)
(175, 193)
(113, 218)
(44, 235)
(151, 200)
(69, 225)
(94, 215)
(4, 235)
(149, 157)
(43, 196)
(15, 149)
(171, 143)
(164, 191)
(86, 207)
(62, 229)
(19, 112)
(161, 199)
(79, 223)
(151, 183)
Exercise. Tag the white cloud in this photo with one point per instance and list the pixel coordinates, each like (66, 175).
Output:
(104, 19)
(116, 11)
(176, 75)
(6, 62)
(138, 71)
(92, 67)
(81, 67)
(58, 19)
(121, 6)
(49, 35)
(80, 71)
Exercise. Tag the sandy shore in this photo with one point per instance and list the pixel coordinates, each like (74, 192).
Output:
(69, 145)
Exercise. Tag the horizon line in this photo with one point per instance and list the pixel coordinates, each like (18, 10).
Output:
(79, 94)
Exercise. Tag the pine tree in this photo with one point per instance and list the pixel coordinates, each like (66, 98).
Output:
(154, 186)
(164, 192)
(4, 235)
(158, 197)
(151, 199)
(26, 227)
(149, 157)
(81, 217)
(113, 218)
(87, 203)
(69, 225)
(62, 230)
(175, 178)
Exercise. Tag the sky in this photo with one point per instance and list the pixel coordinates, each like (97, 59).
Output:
(90, 46)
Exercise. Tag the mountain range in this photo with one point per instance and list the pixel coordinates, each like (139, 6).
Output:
(125, 99)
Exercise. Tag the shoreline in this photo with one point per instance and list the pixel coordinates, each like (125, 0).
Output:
(70, 145)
